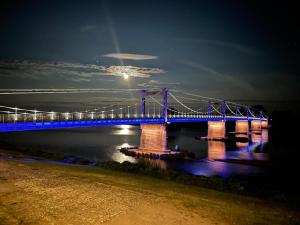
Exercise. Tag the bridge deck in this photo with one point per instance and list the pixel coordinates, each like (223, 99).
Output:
(45, 125)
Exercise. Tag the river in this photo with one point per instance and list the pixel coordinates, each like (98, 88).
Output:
(103, 143)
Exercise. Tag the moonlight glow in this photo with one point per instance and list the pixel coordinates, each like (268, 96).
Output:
(125, 75)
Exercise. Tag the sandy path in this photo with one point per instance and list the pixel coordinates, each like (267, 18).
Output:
(30, 195)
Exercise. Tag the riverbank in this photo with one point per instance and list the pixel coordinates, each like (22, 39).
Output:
(39, 193)
(265, 187)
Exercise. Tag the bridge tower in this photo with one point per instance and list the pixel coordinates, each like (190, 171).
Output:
(247, 112)
(209, 108)
(216, 129)
(143, 110)
(224, 109)
(154, 136)
(236, 110)
(164, 91)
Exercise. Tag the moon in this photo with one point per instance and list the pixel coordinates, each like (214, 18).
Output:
(126, 76)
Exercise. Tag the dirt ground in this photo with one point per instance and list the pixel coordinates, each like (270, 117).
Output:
(31, 194)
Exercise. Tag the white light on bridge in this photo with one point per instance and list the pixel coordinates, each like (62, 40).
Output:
(51, 115)
(34, 116)
(112, 113)
(67, 116)
(16, 114)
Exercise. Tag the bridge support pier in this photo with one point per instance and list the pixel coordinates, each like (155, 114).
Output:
(153, 138)
(256, 125)
(242, 130)
(264, 124)
(241, 126)
(216, 129)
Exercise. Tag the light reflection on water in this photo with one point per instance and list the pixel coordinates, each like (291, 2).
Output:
(210, 168)
(120, 157)
(248, 150)
(216, 150)
(124, 130)
(102, 144)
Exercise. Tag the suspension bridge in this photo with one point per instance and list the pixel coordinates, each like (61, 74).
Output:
(159, 106)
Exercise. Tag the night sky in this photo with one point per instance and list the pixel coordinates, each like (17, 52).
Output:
(237, 50)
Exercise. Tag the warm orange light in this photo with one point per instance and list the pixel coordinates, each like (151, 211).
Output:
(242, 144)
(241, 126)
(264, 124)
(216, 150)
(216, 129)
(255, 125)
(153, 138)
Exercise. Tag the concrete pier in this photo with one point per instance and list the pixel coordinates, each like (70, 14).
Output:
(153, 138)
(256, 125)
(264, 124)
(242, 126)
(216, 129)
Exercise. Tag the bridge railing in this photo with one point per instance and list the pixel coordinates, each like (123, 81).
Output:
(154, 105)
(40, 117)
(43, 117)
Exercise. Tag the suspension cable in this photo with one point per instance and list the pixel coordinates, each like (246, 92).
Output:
(230, 109)
(182, 103)
(216, 109)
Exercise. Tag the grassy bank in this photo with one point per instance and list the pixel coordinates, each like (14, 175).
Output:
(160, 196)
(262, 187)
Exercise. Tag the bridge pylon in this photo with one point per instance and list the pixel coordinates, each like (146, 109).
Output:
(143, 109)
(223, 109)
(164, 91)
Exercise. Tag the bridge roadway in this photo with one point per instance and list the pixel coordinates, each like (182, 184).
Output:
(45, 125)
(151, 112)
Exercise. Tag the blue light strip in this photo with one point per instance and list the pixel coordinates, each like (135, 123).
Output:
(23, 126)
(26, 126)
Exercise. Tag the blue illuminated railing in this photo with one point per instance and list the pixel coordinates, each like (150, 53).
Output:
(23, 126)
(181, 107)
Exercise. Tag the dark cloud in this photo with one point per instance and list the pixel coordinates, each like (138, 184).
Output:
(71, 71)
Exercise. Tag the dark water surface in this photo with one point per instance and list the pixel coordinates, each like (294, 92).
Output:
(102, 144)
